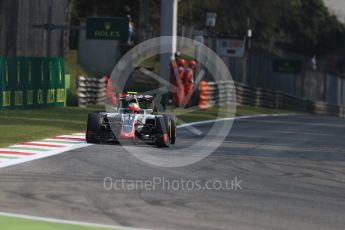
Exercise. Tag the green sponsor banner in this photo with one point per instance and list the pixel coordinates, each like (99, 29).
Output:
(288, 66)
(31, 82)
(60, 84)
(107, 28)
(12, 81)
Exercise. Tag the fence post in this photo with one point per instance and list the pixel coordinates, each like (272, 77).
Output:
(342, 95)
(2, 71)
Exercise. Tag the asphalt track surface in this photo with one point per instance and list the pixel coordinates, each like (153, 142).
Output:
(292, 170)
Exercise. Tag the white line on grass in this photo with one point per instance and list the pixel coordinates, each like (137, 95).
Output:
(61, 221)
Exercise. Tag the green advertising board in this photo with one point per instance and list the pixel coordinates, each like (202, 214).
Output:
(31, 82)
(288, 66)
(107, 28)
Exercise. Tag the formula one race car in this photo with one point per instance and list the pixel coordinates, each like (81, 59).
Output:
(130, 122)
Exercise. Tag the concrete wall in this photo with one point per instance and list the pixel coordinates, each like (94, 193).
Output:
(340, 91)
(97, 56)
(285, 83)
(314, 85)
(332, 89)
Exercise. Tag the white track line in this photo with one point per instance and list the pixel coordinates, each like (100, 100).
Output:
(61, 221)
(79, 134)
(65, 141)
(72, 136)
(232, 118)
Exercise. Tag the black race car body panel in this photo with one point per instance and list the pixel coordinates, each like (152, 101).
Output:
(123, 124)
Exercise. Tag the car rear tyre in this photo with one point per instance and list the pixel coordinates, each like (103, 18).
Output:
(163, 127)
(172, 128)
(93, 127)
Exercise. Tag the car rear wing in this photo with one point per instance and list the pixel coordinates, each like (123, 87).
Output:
(129, 96)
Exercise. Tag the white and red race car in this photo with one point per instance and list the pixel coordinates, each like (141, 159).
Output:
(130, 122)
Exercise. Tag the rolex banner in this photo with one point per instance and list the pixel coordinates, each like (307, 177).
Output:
(106, 28)
(31, 82)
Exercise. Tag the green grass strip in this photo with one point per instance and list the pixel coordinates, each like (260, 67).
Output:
(11, 223)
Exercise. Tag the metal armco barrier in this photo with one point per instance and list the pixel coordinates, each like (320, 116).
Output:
(91, 91)
(30, 82)
(214, 93)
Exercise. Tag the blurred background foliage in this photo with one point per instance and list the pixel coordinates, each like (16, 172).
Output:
(302, 26)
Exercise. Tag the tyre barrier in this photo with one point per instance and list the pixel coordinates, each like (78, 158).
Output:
(226, 92)
(203, 100)
(91, 91)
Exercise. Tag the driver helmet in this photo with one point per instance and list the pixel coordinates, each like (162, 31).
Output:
(133, 107)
